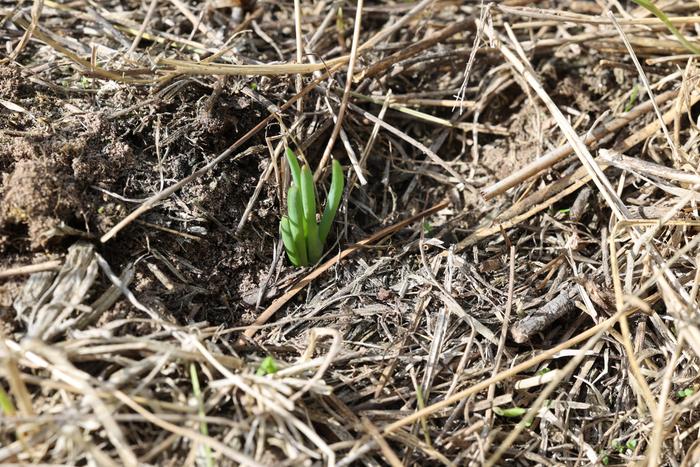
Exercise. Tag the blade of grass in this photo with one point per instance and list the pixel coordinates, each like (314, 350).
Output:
(200, 409)
(334, 195)
(297, 224)
(421, 406)
(308, 201)
(656, 11)
(294, 166)
(289, 242)
(6, 405)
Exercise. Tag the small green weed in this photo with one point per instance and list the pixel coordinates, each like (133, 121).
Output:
(622, 448)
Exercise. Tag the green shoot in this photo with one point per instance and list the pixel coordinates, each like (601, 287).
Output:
(303, 238)
(420, 400)
(6, 405)
(200, 409)
(633, 98)
(511, 412)
(267, 367)
(623, 448)
(656, 11)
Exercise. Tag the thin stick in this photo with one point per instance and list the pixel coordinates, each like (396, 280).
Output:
(142, 29)
(415, 48)
(344, 101)
(258, 189)
(596, 174)
(200, 68)
(389, 455)
(300, 49)
(560, 16)
(504, 328)
(412, 141)
(645, 81)
(196, 23)
(654, 451)
(37, 7)
(52, 265)
(635, 165)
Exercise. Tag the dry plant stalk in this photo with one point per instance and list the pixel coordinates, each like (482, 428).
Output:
(544, 316)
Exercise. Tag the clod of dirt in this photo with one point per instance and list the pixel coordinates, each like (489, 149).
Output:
(40, 195)
(11, 83)
(47, 177)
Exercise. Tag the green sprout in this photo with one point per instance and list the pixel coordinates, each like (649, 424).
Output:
(511, 412)
(633, 98)
(6, 405)
(622, 448)
(267, 367)
(303, 238)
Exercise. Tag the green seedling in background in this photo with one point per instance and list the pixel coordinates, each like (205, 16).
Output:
(633, 98)
(511, 412)
(6, 405)
(622, 448)
(267, 367)
(303, 238)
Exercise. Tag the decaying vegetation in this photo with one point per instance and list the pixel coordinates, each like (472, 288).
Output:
(511, 279)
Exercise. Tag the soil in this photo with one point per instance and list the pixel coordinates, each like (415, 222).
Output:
(71, 162)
